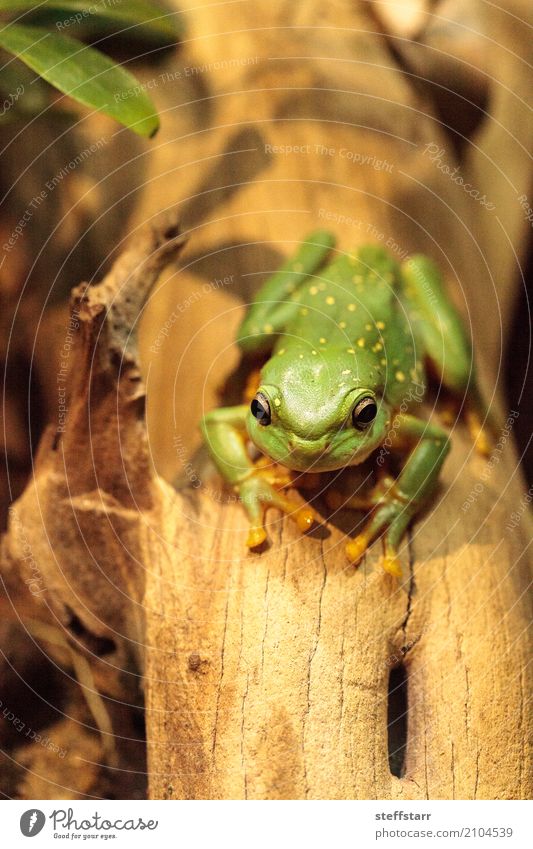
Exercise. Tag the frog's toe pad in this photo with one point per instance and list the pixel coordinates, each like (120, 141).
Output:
(356, 548)
(305, 519)
(483, 443)
(274, 474)
(479, 433)
(392, 565)
(256, 537)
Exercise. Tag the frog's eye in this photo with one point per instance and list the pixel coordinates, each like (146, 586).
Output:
(261, 409)
(364, 413)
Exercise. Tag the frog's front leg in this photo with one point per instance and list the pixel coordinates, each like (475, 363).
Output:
(398, 502)
(224, 432)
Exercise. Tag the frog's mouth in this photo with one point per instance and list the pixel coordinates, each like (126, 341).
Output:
(315, 455)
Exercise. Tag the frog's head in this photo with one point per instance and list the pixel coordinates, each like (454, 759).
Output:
(319, 410)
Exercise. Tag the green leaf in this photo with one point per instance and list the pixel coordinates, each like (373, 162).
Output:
(83, 73)
(148, 18)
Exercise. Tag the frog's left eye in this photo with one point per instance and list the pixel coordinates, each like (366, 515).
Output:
(261, 409)
(364, 413)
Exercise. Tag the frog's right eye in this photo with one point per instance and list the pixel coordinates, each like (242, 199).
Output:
(364, 413)
(261, 409)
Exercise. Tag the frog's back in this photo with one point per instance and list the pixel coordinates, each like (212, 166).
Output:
(354, 303)
(343, 301)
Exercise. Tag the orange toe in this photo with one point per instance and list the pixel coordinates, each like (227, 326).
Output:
(392, 565)
(304, 518)
(356, 548)
(256, 537)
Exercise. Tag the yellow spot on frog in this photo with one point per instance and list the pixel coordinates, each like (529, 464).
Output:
(368, 327)
(361, 342)
(346, 371)
(380, 325)
(281, 351)
(383, 361)
(330, 300)
(400, 376)
(342, 324)
(351, 307)
(277, 402)
(268, 328)
(350, 351)
(377, 347)
(313, 290)
(322, 340)
(304, 311)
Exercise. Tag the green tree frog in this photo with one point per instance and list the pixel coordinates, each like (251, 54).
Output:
(347, 341)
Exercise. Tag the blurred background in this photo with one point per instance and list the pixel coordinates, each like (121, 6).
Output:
(407, 111)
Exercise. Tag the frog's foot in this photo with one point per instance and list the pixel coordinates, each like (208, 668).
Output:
(256, 536)
(356, 548)
(479, 432)
(390, 518)
(391, 562)
(280, 477)
(257, 494)
(368, 501)
(449, 411)
(276, 475)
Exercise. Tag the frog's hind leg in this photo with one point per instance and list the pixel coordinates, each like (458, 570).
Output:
(273, 305)
(440, 329)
